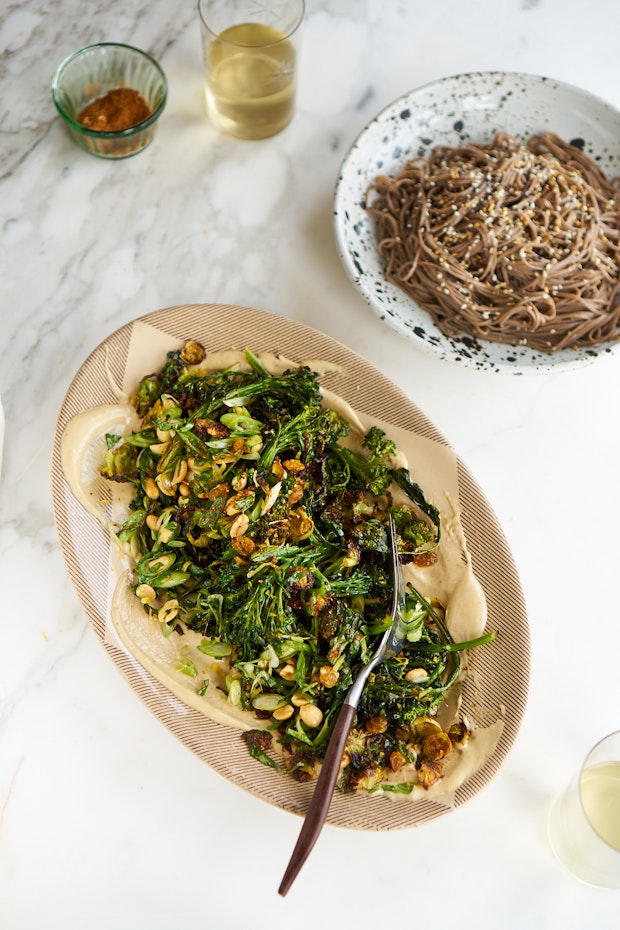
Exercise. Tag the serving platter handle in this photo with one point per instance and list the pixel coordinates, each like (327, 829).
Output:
(321, 798)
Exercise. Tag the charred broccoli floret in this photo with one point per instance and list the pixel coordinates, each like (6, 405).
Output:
(379, 446)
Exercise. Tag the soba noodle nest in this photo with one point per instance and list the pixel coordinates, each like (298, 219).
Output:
(507, 242)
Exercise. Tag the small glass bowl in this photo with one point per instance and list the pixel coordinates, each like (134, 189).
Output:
(93, 71)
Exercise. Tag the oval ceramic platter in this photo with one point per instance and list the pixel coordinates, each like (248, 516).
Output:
(451, 112)
(496, 689)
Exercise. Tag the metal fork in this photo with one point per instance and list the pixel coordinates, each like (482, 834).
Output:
(390, 645)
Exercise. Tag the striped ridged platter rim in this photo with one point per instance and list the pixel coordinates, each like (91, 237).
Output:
(501, 672)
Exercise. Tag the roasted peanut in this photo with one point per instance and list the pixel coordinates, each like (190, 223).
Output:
(299, 699)
(151, 489)
(234, 503)
(239, 482)
(271, 498)
(311, 715)
(239, 525)
(146, 593)
(159, 447)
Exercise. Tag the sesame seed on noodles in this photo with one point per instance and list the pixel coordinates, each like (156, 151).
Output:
(531, 233)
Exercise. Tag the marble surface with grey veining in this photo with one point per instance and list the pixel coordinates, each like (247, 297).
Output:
(106, 822)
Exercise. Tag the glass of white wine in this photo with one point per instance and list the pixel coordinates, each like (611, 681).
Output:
(250, 51)
(584, 824)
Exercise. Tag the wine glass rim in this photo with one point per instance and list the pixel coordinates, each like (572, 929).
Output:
(287, 33)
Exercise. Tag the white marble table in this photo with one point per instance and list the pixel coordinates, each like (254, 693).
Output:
(106, 821)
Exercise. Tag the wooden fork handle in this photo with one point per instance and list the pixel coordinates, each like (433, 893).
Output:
(321, 798)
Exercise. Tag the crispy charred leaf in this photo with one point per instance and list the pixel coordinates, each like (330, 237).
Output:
(271, 537)
(171, 371)
(258, 739)
(258, 742)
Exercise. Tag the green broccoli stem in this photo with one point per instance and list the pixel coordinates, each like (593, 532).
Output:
(457, 647)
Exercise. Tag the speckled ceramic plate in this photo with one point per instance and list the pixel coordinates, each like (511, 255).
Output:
(451, 112)
(497, 684)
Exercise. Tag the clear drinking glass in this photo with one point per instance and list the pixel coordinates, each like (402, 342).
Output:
(250, 54)
(584, 824)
